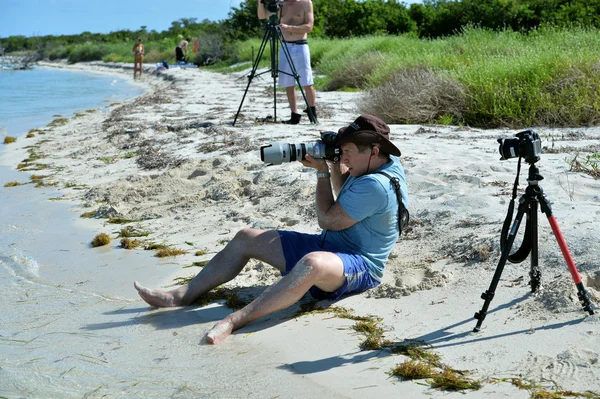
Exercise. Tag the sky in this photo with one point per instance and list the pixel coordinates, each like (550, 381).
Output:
(72, 17)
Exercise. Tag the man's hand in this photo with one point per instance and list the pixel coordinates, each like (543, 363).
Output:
(286, 28)
(319, 164)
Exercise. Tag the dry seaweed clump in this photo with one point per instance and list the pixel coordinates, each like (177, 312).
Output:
(101, 240)
(153, 158)
(126, 243)
(416, 95)
(131, 231)
(12, 184)
(9, 139)
(165, 252)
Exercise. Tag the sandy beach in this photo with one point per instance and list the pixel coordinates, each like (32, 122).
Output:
(171, 161)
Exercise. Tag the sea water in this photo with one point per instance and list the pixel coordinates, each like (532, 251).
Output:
(31, 99)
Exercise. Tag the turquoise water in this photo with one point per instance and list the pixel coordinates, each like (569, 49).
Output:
(30, 99)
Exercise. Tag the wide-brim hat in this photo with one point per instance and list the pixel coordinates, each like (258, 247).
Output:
(370, 128)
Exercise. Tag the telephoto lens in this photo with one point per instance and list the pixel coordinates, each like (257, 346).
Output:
(278, 153)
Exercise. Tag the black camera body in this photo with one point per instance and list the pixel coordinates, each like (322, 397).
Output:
(272, 5)
(527, 145)
(278, 153)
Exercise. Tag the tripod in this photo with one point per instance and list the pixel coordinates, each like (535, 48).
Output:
(274, 37)
(528, 204)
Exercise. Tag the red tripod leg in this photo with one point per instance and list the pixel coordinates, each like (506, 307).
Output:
(584, 296)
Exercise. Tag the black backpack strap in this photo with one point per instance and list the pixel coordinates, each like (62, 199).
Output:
(403, 215)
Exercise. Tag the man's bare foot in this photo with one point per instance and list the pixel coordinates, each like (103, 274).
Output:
(219, 332)
(160, 299)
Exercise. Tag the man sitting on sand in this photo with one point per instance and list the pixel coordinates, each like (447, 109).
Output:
(360, 228)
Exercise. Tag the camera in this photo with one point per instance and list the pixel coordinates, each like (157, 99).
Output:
(272, 5)
(527, 145)
(278, 153)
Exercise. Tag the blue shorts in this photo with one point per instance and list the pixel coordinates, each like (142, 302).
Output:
(297, 245)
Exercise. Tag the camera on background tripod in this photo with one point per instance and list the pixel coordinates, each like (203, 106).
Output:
(528, 146)
(272, 5)
(274, 37)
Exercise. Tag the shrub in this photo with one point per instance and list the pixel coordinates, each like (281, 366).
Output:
(9, 139)
(355, 74)
(416, 95)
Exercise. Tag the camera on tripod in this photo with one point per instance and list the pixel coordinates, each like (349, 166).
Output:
(272, 5)
(325, 148)
(527, 145)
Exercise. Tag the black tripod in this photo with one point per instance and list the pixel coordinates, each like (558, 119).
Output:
(274, 37)
(528, 203)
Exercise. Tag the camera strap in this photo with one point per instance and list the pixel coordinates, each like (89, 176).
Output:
(403, 215)
(520, 255)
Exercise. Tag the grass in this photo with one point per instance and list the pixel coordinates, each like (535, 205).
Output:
(9, 139)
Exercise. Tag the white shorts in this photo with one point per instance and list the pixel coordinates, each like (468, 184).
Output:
(300, 55)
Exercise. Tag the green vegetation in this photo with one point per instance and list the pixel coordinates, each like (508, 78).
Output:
(477, 77)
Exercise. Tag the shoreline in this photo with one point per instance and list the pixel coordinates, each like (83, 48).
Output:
(196, 179)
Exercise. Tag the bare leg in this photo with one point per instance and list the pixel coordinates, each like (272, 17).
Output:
(323, 269)
(264, 245)
(291, 96)
(311, 95)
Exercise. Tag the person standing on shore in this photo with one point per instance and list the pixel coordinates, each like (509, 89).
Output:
(181, 50)
(296, 22)
(360, 227)
(138, 58)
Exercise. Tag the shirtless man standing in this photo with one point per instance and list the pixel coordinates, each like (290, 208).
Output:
(296, 23)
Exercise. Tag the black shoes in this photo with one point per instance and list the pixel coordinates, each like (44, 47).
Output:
(295, 119)
(314, 114)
